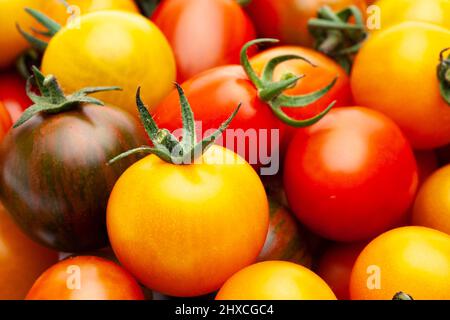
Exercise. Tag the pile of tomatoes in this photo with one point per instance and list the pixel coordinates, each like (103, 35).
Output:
(263, 149)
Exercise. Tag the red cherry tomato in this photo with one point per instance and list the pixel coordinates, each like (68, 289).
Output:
(203, 33)
(5, 121)
(13, 95)
(350, 176)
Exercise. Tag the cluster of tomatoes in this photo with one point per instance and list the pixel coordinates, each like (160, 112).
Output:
(100, 199)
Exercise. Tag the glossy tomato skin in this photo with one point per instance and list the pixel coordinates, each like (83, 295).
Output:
(99, 279)
(402, 82)
(139, 56)
(351, 176)
(275, 280)
(286, 239)
(183, 230)
(5, 121)
(413, 260)
(55, 180)
(214, 95)
(335, 267)
(203, 33)
(13, 94)
(21, 259)
(287, 20)
(432, 205)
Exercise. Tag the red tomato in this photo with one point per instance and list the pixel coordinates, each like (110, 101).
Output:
(203, 33)
(350, 176)
(335, 267)
(5, 121)
(85, 278)
(13, 95)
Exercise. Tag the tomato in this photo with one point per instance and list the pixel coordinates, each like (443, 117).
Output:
(350, 176)
(287, 20)
(21, 260)
(398, 11)
(13, 95)
(286, 240)
(315, 77)
(402, 82)
(335, 267)
(412, 260)
(5, 121)
(432, 206)
(275, 280)
(138, 56)
(54, 177)
(11, 41)
(203, 33)
(56, 10)
(85, 278)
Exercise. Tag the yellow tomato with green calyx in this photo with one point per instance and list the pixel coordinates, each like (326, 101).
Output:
(113, 48)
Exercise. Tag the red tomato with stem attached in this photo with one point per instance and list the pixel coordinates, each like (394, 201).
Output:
(350, 176)
(203, 33)
(13, 94)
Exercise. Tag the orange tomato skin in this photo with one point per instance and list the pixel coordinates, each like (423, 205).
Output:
(56, 10)
(414, 260)
(21, 259)
(335, 267)
(99, 279)
(184, 229)
(432, 206)
(402, 81)
(275, 280)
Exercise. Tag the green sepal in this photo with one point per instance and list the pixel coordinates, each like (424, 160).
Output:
(444, 75)
(52, 99)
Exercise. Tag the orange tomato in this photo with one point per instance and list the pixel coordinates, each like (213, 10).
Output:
(413, 260)
(335, 267)
(395, 73)
(275, 280)
(21, 259)
(56, 9)
(183, 230)
(11, 41)
(85, 278)
(432, 206)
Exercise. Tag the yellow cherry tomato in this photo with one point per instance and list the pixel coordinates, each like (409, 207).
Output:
(113, 48)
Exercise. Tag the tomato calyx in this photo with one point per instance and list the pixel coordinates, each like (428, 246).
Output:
(402, 296)
(336, 36)
(51, 28)
(165, 145)
(53, 100)
(444, 75)
(272, 92)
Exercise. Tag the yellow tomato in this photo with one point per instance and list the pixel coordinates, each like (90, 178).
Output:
(56, 9)
(432, 206)
(113, 48)
(11, 41)
(397, 11)
(412, 260)
(275, 280)
(21, 259)
(183, 230)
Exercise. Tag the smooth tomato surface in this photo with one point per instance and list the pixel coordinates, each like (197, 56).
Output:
(287, 20)
(432, 206)
(13, 95)
(203, 33)
(402, 82)
(139, 56)
(85, 278)
(351, 176)
(413, 260)
(183, 230)
(275, 280)
(21, 259)
(5, 121)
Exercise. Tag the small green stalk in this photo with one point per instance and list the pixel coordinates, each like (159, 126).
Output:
(273, 92)
(335, 36)
(165, 145)
(51, 28)
(444, 75)
(402, 296)
(52, 99)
